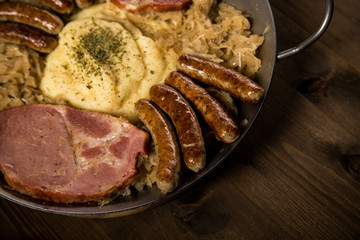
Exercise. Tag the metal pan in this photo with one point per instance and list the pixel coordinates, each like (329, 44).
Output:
(261, 17)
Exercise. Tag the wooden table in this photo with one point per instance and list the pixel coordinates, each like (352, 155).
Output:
(295, 176)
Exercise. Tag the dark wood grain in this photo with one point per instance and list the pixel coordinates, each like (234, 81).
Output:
(289, 179)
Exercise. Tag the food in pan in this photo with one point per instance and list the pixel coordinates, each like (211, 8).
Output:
(120, 58)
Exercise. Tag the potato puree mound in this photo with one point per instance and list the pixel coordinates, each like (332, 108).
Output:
(104, 66)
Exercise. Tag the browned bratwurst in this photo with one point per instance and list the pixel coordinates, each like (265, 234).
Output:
(166, 145)
(28, 36)
(186, 124)
(214, 114)
(30, 15)
(60, 6)
(231, 81)
(84, 3)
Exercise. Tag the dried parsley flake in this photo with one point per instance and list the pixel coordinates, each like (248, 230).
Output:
(102, 44)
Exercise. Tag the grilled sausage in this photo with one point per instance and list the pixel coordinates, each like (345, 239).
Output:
(214, 114)
(60, 6)
(231, 81)
(166, 144)
(84, 3)
(30, 15)
(28, 36)
(186, 124)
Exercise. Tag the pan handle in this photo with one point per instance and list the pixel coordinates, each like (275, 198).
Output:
(315, 36)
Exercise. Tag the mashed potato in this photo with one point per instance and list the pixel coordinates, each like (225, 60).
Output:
(104, 66)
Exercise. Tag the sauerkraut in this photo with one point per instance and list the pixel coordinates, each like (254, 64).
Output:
(20, 73)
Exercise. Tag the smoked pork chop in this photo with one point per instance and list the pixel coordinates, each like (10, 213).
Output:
(61, 154)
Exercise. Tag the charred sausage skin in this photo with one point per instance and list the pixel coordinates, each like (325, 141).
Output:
(28, 36)
(214, 114)
(166, 144)
(187, 126)
(30, 15)
(231, 81)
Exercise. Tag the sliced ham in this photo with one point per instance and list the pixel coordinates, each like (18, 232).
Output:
(61, 154)
(141, 6)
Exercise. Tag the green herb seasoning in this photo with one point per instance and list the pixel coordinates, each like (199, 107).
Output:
(103, 45)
